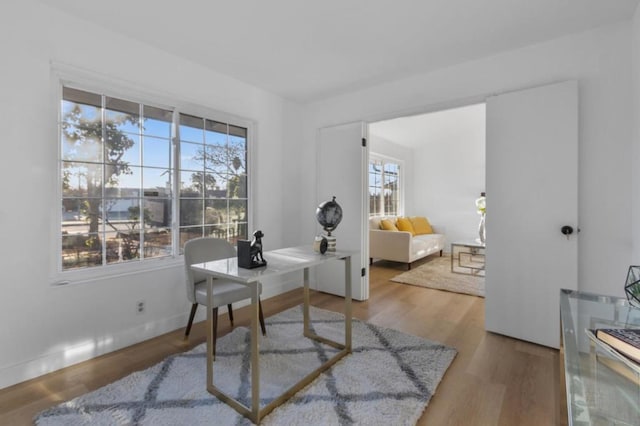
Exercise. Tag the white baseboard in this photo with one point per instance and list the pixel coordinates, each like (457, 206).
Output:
(56, 360)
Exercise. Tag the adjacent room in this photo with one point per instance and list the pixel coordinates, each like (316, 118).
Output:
(319, 213)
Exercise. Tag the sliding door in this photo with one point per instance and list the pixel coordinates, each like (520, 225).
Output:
(532, 193)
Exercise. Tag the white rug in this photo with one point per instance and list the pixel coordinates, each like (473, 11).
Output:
(436, 273)
(388, 380)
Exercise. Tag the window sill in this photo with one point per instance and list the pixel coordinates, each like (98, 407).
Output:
(62, 279)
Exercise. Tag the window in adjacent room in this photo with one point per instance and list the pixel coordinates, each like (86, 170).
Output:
(384, 185)
(119, 171)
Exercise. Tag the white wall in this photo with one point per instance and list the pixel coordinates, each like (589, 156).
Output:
(381, 146)
(451, 172)
(635, 260)
(601, 61)
(45, 327)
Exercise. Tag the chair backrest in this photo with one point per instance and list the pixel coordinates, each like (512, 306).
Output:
(201, 250)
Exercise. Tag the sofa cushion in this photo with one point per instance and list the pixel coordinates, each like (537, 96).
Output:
(422, 245)
(388, 225)
(374, 222)
(404, 224)
(421, 225)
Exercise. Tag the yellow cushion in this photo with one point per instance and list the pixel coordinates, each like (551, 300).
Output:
(421, 225)
(388, 225)
(404, 224)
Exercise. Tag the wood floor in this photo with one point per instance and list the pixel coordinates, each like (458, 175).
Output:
(494, 380)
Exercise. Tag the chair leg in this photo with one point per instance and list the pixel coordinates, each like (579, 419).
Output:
(214, 334)
(230, 314)
(191, 316)
(440, 253)
(261, 315)
(409, 266)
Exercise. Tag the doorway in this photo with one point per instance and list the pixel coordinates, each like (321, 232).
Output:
(440, 158)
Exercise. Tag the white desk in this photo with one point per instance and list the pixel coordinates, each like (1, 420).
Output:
(279, 262)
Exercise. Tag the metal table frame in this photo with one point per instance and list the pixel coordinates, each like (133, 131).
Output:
(279, 262)
(474, 252)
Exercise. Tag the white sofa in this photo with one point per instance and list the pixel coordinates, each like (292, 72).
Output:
(401, 246)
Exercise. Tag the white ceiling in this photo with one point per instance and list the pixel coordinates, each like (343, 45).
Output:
(309, 50)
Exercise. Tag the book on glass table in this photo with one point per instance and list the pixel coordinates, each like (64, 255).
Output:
(624, 340)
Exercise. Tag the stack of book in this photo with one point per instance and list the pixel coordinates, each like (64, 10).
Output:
(624, 345)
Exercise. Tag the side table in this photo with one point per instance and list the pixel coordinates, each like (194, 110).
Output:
(467, 258)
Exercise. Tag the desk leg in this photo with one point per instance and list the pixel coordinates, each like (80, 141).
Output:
(347, 303)
(209, 333)
(255, 352)
(305, 306)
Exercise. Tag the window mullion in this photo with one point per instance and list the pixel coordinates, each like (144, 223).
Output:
(175, 196)
(141, 199)
(103, 130)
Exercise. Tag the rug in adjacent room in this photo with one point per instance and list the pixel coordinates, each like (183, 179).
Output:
(436, 273)
(389, 379)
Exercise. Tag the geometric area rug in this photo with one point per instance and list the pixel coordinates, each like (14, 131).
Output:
(387, 380)
(436, 273)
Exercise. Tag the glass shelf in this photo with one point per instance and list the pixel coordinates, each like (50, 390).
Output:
(601, 389)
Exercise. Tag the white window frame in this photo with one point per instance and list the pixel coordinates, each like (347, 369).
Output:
(401, 179)
(67, 76)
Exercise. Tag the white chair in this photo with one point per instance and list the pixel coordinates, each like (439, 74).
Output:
(225, 292)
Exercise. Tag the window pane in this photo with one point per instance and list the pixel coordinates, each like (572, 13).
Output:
(157, 243)
(191, 128)
(122, 116)
(190, 184)
(215, 212)
(122, 213)
(187, 234)
(123, 246)
(237, 156)
(122, 148)
(156, 152)
(157, 212)
(81, 250)
(237, 186)
(190, 212)
(156, 181)
(191, 156)
(238, 210)
(218, 231)
(122, 180)
(238, 132)
(81, 145)
(241, 231)
(215, 133)
(219, 187)
(216, 159)
(81, 179)
(157, 121)
(81, 109)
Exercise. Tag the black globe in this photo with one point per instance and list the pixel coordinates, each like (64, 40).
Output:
(329, 215)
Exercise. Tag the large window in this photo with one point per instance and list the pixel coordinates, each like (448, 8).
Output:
(384, 186)
(119, 170)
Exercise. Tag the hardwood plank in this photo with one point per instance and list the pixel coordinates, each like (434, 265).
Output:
(494, 380)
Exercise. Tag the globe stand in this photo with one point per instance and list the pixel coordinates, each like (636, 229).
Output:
(331, 243)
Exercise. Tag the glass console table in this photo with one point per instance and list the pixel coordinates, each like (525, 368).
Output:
(600, 388)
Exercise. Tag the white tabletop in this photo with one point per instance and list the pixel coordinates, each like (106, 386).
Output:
(279, 262)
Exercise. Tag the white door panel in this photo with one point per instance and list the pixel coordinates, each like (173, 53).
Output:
(532, 191)
(341, 167)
